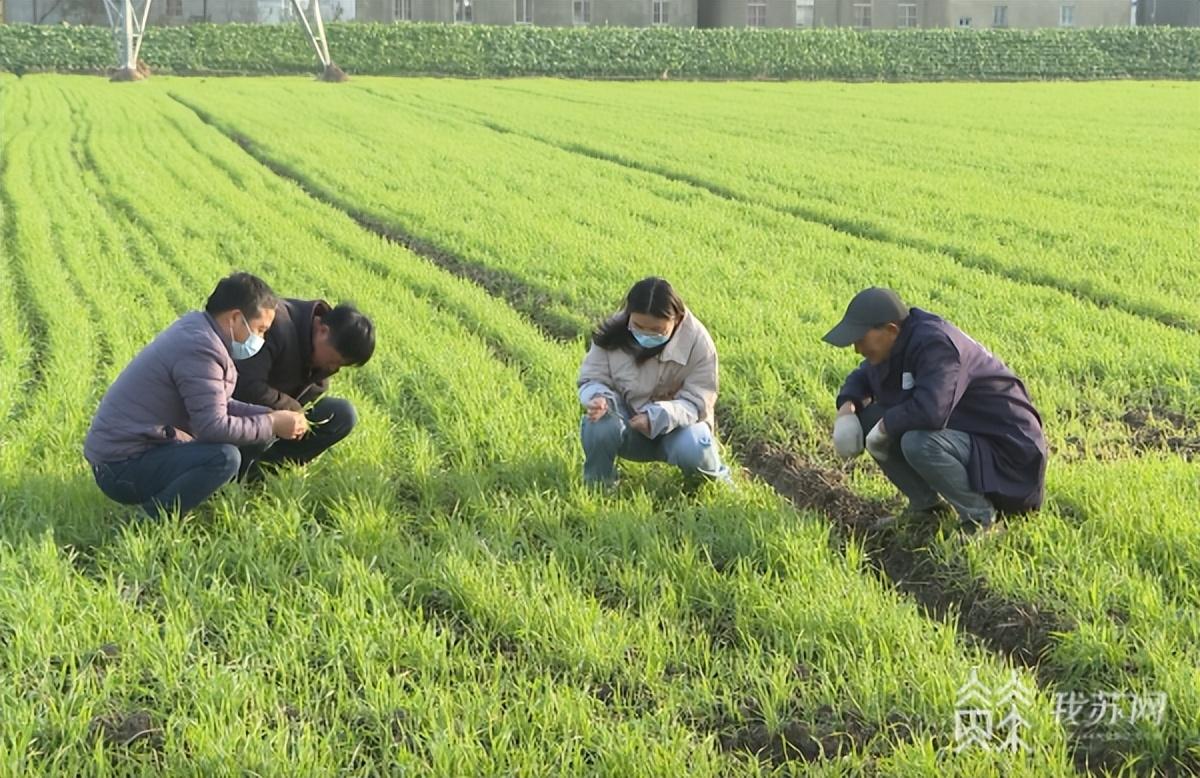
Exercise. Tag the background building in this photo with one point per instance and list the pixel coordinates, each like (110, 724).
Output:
(902, 14)
(1178, 13)
(550, 13)
(860, 14)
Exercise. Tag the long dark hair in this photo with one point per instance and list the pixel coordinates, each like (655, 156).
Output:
(651, 296)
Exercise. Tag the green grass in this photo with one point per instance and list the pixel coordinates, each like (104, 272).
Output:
(942, 179)
(440, 595)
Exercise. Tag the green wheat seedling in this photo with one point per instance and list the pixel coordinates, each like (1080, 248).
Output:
(438, 595)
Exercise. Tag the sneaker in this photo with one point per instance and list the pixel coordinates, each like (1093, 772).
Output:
(910, 516)
(603, 488)
(971, 527)
(694, 482)
(725, 478)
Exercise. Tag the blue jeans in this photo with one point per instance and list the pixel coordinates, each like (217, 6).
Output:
(691, 449)
(924, 464)
(171, 476)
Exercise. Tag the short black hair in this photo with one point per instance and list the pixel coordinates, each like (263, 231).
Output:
(243, 292)
(351, 334)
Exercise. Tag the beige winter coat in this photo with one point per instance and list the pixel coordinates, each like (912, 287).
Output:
(675, 389)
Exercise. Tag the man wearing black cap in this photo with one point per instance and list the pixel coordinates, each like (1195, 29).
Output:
(944, 417)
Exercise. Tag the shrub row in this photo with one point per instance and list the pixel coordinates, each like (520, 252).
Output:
(618, 52)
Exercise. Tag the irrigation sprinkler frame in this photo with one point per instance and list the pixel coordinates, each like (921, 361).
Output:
(128, 24)
(128, 29)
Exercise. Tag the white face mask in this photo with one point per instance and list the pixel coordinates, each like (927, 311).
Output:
(648, 339)
(247, 348)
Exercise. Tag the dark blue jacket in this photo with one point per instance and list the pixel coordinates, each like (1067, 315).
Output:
(937, 377)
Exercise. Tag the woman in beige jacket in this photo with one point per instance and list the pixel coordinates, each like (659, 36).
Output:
(649, 383)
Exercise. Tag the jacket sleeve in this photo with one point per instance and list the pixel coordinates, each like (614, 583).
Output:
(856, 389)
(692, 401)
(202, 386)
(595, 377)
(252, 385)
(311, 393)
(238, 408)
(939, 383)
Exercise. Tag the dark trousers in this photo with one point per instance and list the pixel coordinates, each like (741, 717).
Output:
(332, 419)
(924, 464)
(180, 476)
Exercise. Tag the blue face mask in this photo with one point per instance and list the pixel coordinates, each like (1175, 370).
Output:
(248, 347)
(648, 340)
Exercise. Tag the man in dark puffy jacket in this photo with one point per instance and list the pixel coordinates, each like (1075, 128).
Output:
(308, 343)
(167, 433)
(943, 417)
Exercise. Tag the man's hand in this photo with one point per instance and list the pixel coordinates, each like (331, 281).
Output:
(597, 407)
(878, 442)
(288, 425)
(641, 423)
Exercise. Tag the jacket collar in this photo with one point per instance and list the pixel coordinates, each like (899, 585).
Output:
(679, 347)
(221, 335)
(896, 357)
(302, 313)
(915, 317)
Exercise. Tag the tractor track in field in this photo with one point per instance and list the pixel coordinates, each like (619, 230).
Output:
(534, 303)
(802, 735)
(36, 325)
(86, 297)
(859, 229)
(122, 213)
(1021, 632)
(1023, 635)
(1160, 428)
(71, 278)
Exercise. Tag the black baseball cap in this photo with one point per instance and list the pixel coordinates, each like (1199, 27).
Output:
(870, 308)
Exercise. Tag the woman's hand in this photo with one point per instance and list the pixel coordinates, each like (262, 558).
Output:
(641, 423)
(597, 408)
(668, 394)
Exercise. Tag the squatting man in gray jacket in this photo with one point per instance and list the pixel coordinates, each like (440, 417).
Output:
(168, 432)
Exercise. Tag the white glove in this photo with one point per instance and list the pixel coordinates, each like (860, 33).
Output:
(847, 436)
(877, 443)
